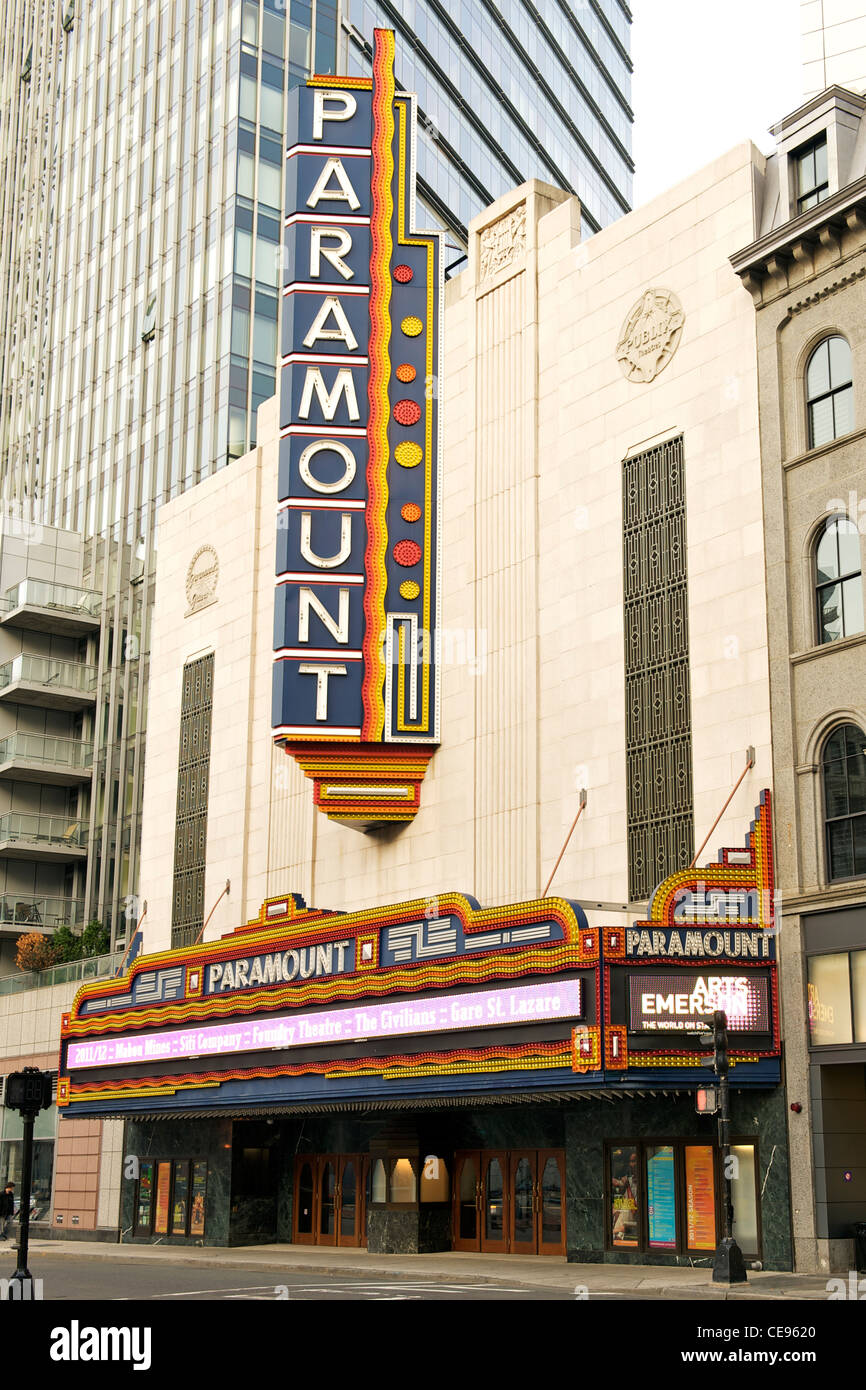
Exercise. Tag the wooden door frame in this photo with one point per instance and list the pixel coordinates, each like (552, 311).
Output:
(321, 1161)
(514, 1158)
(543, 1155)
(457, 1243)
(357, 1163)
(495, 1247)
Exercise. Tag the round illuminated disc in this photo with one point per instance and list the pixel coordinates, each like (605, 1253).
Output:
(405, 372)
(407, 412)
(408, 454)
(409, 589)
(411, 512)
(403, 274)
(407, 553)
(412, 326)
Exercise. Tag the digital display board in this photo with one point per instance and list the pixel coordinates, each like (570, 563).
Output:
(686, 1002)
(483, 1009)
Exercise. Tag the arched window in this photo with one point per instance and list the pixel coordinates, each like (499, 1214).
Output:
(829, 392)
(844, 769)
(838, 580)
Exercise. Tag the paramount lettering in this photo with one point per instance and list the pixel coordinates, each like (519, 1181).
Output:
(306, 962)
(731, 945)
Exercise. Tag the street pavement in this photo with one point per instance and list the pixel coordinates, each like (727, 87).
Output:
(153, 1270)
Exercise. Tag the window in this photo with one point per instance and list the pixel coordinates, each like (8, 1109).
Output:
(666, 1197)
(844, 772)
(838, 580)
(658, 701)
(148, 323)
(811, 166)
(829, 392)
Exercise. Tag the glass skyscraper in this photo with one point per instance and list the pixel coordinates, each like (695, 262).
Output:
(141, 154)
(510, 90)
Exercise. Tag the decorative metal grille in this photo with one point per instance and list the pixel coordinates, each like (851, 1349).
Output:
(657, 700)
(193, 769)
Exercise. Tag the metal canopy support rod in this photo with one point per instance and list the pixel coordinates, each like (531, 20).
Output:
(750, 763)
(227, 889)
(567, 838)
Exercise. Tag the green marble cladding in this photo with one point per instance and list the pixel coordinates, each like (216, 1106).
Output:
(757, 1115)
(195, 1139)
(581, 1129)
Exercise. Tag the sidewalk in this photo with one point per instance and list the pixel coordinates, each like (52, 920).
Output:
(453, 1266)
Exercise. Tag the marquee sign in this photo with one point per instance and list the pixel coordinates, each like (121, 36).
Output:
(433, 996)
(709, 943)
(356, 690)
(301, 999)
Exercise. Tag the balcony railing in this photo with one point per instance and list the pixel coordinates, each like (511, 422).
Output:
(70, 754)
(52, 830)
(37, 593)
(30, 913)
(47, 671)
(94, 968)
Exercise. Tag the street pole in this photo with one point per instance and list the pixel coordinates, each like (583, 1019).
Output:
(728, 1265)
(22, 1273)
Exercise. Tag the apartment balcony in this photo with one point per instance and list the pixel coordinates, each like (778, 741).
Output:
(57, 608)
(58, 762)
(94, 968)
(20, 913)
(49, 839)
(49, 683)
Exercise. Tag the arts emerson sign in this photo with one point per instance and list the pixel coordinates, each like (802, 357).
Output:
(355, 688)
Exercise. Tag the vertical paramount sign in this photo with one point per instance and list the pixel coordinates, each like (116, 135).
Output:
(356, 695)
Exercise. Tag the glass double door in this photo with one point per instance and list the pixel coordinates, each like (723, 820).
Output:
(510, 1201)
(329, 1200)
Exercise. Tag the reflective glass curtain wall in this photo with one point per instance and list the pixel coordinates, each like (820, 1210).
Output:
(510, 90)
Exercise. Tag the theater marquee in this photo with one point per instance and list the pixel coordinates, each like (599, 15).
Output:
(437, 997)
(356, 691)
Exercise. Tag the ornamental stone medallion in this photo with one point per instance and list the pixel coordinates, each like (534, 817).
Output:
(201, 579)
(650, 335)
(503, 242)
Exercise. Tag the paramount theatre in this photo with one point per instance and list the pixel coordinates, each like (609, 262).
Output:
(437, 616)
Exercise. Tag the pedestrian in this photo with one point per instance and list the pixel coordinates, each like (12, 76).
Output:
(7, 1210)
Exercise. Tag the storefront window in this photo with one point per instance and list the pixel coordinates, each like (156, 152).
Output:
(379, 1191)
(661, 1198)
(163, 1192)
(829, 991)
(744, 1195)
(180, 1200)
(144, 1206)
(700, 1197)
(12, 1155)
(858, 991)
(403, 1183)
(170, 1199)
(677, 1208)
(435, 1185)
(625, 1196)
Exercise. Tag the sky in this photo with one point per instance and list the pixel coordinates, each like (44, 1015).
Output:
(708, 75)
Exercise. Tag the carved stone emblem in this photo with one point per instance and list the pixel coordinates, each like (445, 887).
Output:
(201, 579)
(650, 335)
(503, 242)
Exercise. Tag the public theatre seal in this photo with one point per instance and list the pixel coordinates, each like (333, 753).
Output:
(201, 579)
(650, 335)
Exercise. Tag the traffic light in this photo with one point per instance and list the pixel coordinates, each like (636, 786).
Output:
(720, 1043)
(28, 1091)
